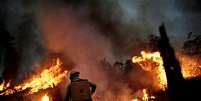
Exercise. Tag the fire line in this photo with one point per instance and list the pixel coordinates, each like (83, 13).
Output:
(48, 78)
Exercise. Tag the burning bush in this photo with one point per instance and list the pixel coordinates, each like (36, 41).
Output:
(48, 78)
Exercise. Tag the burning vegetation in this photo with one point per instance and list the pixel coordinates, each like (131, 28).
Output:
(4, 86)
(152, 62)
(48, 78)
(146, 96)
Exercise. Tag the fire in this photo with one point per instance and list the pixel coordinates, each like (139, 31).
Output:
(152, 61)
(134, 100)
(191, 66)
(48, 78)
(46, 98)
(146, 96)
(4, 85)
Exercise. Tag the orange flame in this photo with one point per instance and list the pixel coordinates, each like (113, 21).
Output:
(134, 100)
(48, 78)
(145, 97)
(4, 86)
(152, 62)
(191, 66)
(46, 98)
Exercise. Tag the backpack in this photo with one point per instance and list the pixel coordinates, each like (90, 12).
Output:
(80, 90)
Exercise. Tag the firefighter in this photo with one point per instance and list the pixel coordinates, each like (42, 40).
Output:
(79, 89)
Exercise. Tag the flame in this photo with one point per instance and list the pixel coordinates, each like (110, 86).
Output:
(134, 100)
(191, 66)
(145, 97)
(46, 98)
(48, 78)
(152, 61)
(4, 86)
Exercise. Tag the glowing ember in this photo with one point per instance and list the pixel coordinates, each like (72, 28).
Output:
(191, 66)
(48, 78)
(152, 62)
(46, 98)
(134, 100)
(4, 86)
(145, 97)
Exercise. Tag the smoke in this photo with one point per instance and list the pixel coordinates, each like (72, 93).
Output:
(69, 31)
(91, 42)
(180, 17)
(130, 20)
(89, 31)
(191, 12)
(20, 21)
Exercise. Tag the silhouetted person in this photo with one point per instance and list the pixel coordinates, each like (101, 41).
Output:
(79, 89)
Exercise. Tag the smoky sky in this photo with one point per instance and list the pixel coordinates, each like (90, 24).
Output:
(179, 16)
(121, 21)
(19, 19)
(124, 22)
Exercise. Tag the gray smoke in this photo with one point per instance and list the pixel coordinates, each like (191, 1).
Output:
(179, 16)
(128, 21)
(21, 23)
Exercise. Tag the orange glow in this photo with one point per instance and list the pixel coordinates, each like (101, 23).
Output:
(48, 78)
(152, 62)
(134, 100)
(191, 67)
(46, 98)
(146, 96)
(4, 86)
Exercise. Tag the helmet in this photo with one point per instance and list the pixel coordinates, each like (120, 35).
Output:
(73, 73)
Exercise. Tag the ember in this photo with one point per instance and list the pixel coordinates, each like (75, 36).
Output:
(134, 100)
(190, 66)
(46, 98)
(145, 97)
